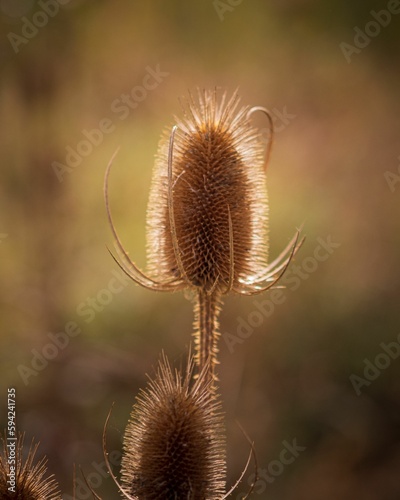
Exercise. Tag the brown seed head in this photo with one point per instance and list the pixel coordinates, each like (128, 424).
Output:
(31, 481)
(174, 442)
(207, 218)
(219, 197)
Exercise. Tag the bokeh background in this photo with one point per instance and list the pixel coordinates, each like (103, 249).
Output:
(335, 167)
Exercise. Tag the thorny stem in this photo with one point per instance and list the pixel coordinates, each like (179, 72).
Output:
(207, 309)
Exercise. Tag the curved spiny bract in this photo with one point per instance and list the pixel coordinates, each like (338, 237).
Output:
(125, 263)
(174, 444)
(31, 480)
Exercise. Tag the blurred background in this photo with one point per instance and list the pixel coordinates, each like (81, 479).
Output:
(315, 367)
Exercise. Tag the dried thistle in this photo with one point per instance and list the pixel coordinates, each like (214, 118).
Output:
(207, 218)
(31, 480)
(174, 445)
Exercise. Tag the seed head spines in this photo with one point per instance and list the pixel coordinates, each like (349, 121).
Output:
(174, 443)
(218, 180)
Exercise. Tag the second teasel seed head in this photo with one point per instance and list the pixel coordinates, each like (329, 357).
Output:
(174, 444)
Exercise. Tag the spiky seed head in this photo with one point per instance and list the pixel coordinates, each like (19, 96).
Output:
(174, 444)
(31, 479)
(217, 176)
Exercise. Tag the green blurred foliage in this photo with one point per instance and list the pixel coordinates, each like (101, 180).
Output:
(291, 377)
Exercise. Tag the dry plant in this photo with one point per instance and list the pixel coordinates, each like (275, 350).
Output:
(207, 233)
(174, 443)
(30, 476)
(207, 219)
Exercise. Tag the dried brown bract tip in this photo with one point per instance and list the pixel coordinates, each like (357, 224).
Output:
(174, 445)
(23, 479)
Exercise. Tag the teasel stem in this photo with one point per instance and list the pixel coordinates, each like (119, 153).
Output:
(207, 309)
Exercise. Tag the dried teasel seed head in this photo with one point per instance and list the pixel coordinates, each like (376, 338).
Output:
(174, 444)
(207, 214)
(31, 479)
(219, 197)
(207, 218)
